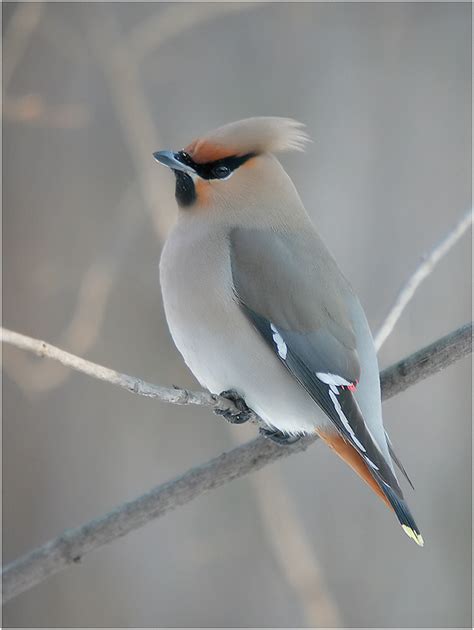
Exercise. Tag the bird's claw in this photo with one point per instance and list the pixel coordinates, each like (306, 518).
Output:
(283, 439)
(244, 413)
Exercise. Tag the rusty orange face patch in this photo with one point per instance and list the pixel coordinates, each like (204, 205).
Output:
(203, 192)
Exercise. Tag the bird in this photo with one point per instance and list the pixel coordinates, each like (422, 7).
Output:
(259, 309)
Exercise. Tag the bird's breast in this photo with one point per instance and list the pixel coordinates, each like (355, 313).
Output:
(215, 338)
(196, 284)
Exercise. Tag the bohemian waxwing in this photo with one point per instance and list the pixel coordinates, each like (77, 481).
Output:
(259, 309)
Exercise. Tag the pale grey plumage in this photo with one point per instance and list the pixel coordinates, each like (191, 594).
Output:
(256, 303)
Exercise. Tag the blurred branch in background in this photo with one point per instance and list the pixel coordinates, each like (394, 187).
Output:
(87, 319)
(119, 58)
(65, 39)
(19, 30)
(55, 555)
(171, 21)
(32, 109)
(426, 266)
(293, 550)
(296, 556)
(121, 72)
(80, 334)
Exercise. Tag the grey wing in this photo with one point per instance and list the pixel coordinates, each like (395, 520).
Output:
(287, 279)
(292, 291)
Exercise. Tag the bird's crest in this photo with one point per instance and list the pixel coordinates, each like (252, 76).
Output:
(265, 134)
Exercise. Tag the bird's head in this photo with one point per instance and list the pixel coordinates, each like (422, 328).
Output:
(234, 165)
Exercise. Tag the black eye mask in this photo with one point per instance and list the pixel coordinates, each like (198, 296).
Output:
(219, 169)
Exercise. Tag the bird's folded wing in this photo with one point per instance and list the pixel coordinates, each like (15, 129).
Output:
(292, 291)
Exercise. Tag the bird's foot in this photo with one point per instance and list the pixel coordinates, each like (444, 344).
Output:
(278, 436)
(243, 414)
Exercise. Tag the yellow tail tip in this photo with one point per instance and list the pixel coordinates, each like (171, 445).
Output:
(418, 538)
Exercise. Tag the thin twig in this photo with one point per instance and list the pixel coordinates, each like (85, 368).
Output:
(72, 545)
(130, 383)
(83, 329)
(426, 266)
(80, 333)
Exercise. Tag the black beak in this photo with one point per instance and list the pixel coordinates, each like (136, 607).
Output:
(171, 160)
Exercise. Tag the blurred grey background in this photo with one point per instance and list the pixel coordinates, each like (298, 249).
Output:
(90, 91)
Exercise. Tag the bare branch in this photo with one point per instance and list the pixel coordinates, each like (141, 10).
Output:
(428, 361)
(426, 266)
(80, 333)
(83, 329)
(72, 545)
(130, 383)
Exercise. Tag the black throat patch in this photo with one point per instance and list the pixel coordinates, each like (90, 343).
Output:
(185, 192)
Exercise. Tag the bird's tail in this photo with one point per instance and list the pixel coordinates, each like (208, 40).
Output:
(402, 512)
(391, 497)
